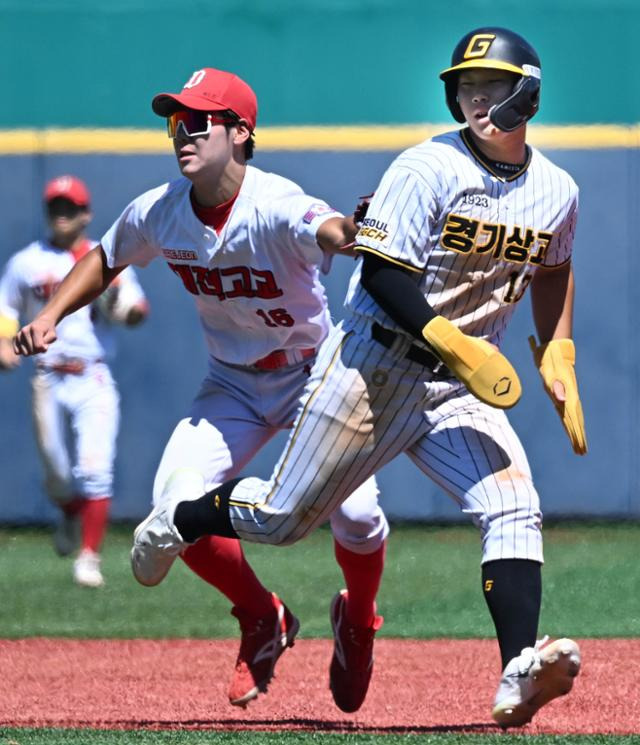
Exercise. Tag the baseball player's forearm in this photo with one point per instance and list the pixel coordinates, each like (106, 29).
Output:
(552, 293)
(88, 278)
(397, 293)
(336, 235)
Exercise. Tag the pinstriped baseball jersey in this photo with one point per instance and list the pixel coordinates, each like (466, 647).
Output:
(473, 238)
(256, 285)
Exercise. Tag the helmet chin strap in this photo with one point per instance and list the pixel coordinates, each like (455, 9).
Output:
(519, 107)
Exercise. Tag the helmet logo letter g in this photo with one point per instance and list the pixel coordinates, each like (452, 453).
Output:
(479, 45)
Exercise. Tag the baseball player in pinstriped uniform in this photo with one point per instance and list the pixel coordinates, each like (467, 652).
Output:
(73, 389)
(459, 228)
(248, 246)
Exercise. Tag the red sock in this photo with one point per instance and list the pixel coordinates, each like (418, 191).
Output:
(362, 574)
(93, 517)
(221, 562)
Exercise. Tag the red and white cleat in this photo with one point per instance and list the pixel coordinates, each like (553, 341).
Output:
(352, 661)
(262, 643)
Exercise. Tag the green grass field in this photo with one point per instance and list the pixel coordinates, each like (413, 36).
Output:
(102, 737)
(431, 589)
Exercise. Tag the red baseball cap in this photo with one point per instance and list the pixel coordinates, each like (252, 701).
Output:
(68, 187)
(211, 90)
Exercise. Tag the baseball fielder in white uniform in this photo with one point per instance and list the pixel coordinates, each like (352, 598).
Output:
(73, 389)
(459, 227)
(248, 246)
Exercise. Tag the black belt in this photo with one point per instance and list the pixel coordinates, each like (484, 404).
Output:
(423, 357)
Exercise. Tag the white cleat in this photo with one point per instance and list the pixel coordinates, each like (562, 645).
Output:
(156, 541)
(538, 675)
(86, 569)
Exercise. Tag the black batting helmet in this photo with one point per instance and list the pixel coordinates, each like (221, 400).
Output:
(498, 49)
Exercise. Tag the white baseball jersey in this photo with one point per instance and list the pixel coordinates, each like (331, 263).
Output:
(257, 290)
(29, 280)
(474, 239)
(75, 398)
(256, 285)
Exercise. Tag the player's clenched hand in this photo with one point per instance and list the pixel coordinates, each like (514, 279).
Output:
(486, 372)
(35, 337)
(555, 361)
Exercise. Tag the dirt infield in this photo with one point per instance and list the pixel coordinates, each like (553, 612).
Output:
(418, 686)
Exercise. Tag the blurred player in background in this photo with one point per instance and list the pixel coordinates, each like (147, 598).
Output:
(75, 400)
(248, 245)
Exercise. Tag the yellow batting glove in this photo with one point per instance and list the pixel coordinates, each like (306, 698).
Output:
(555, 361)
(486, 373)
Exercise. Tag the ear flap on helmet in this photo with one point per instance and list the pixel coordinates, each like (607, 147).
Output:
(519, 107)
(451, 93)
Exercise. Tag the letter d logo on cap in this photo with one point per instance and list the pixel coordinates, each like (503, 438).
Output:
(195, 79)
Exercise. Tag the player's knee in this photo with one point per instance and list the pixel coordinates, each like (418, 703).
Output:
(512, 534)
(95, 484)
(361, 531)
(506, 500)
(59, 489)
(505, 517)
(353, 520)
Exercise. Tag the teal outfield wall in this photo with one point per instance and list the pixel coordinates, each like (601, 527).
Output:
(99, 62)
(160, 365)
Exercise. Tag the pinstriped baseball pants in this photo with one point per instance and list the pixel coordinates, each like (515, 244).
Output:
(365, 404)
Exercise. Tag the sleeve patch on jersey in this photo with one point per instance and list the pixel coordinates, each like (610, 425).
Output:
(374, 229)
(315, 211)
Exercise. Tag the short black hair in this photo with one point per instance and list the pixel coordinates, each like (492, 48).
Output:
(250, 144)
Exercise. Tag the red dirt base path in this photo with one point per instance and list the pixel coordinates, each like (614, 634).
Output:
(417, 686)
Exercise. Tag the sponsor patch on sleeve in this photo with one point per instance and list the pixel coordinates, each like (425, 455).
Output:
(375, 229)
(315, 211)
